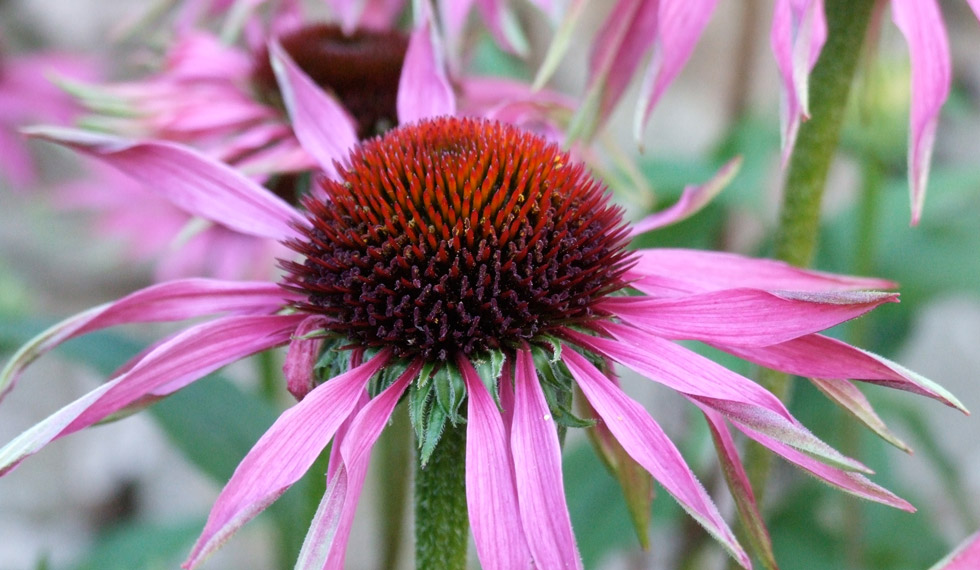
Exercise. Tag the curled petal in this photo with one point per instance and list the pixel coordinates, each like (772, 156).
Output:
(171, 301)
(739, 486)
(646, 442)
(302, 356)
(799, 31)
(667, 272)
(743, 317)
(424, 90)
(175, 363)
(692, 200)
(193, 182)
(491, 493)
(922, 25)
(282, 455)
(322, 125)
(537, 464)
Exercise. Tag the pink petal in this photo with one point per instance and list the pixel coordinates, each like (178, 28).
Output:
(799, 31)
(847, 481)
(703, 380)
(824, 357)
(490, 487)
(628, 33)
(322, 125)
(849, 397)
(740, 487)
(681, 24)
(302, 356)
(921, 23)
(743, 317)
(666, 272)
(646, 443)
(172, 301)
(184, 358)
(283, 455)
(537, 464)
(356, 453)
(424, 90)
(692, 200)
(193, 182)
(967, 555)
(16, 162)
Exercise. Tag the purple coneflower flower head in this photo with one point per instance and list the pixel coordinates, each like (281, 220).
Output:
(478, 272)
(670, 29)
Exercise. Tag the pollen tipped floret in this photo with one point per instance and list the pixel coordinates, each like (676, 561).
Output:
(457, 236)
(361, 69)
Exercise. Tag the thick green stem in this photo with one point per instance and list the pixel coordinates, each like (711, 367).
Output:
(441, 524)
(816, 144)
(394, 457)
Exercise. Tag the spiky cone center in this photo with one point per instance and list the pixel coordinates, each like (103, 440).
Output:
(362, 70)
(457, 236)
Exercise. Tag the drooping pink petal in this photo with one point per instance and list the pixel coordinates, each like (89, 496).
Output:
(921, 23)
(646, 442)
(172, 301)
(740, 488)
(849, 397)
(490, 487)
(967, 555)
(692, 200)
(799, 31)
(16, 163)
(628, 33)
(667, 272)
(356, 453)
(975, 5)
(324, 128)
(424, 89)
(187, 356)
(680, 25)
(743, 317)
(537, 464)
(282, 455)
(193, 182)
(817, 356)
(370, 14)
(304, 351)
(702, 380)
(847, 481)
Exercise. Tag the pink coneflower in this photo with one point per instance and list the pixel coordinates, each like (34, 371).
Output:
(669, 29)
(476, 270)
(27, 96)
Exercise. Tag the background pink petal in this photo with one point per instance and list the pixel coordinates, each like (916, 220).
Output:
(424, 90)
(965, 557)
(324, 128)
(921, 23)
(692, 200)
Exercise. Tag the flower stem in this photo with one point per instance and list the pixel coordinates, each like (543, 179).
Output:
(799, 222)
(441, 523)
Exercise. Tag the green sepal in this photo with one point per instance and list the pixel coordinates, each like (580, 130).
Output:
(557, 383)
(434, 426)
(333, 360)
(450, 391)
(418, 401)
(387, 375)
(489, 367)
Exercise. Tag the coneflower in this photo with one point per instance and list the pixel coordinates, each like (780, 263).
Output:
(478, 273)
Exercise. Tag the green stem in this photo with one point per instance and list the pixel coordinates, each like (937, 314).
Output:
(816, 145)
(441, 523)
(394, 457)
